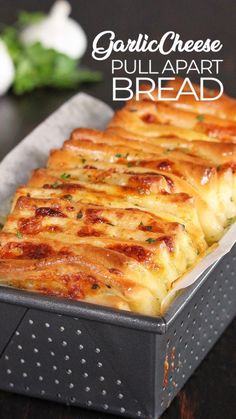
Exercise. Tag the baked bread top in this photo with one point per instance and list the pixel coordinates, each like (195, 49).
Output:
(118, 217)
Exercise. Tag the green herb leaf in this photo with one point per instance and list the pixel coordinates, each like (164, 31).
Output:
(147, 228)
(95, 286)
(119, 155)
(28, 18)
(150, 240)
(19, 234)
(79, 215)
(10, 38)
(37, 66)
(200, 117)
(65, 176)
(67, 197)
(55, 185)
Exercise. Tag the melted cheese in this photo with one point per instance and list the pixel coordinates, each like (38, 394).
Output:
(118, 217)
(222, 108)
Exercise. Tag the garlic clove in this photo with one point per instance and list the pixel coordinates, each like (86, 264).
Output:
(58, 31)
(7, 69)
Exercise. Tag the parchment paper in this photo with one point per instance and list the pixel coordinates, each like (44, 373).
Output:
(32, 152)
(80, 111)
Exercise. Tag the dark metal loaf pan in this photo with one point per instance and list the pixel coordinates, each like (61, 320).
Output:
(110, 360)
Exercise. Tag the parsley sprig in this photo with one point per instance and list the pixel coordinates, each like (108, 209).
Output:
(19, 234)
(200, 117)
(65, 176)
(37, 66)
(150, 240)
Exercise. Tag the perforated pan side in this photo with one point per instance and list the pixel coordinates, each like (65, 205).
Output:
(115, 362)
(194, 324)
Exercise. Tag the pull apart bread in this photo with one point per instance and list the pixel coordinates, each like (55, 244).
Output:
(118, 217)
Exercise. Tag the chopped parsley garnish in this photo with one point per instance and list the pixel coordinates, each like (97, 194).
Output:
(200, 117)
(168, 150)
(150, 240)
(79, 215)
(19, 234)
(65, 176)
(38, 66)
(130, 164)
(119, 155)
(148, 228)
(95, 286)
(108, 286)
(67, 197)
(55, 185)
(110, 224)
(83, 161)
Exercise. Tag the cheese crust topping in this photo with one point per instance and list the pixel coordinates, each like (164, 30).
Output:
(118, 217)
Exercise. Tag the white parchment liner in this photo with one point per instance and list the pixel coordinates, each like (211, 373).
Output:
(32, 152)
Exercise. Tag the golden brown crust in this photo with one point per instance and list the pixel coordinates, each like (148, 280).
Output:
(162, 119)
(224, 107)
(131, 119)
(217, 152)
(118, 217)
(184, 172)
(127, 150)
(209, 125)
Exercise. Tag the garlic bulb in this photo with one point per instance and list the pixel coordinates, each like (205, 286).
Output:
(7, 69)
(58, 31)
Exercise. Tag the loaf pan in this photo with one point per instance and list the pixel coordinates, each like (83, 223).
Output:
(110, 360)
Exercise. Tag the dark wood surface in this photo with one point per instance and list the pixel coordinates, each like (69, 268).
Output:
(211, 391)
